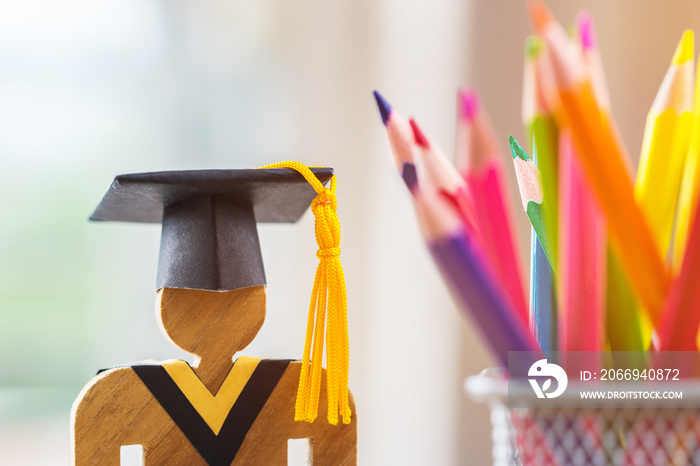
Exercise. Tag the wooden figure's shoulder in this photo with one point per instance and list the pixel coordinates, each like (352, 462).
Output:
(119, 385)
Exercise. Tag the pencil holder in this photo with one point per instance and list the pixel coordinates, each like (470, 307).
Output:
(565, 435)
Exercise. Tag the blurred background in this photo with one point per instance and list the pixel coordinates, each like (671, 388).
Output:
(91, 89)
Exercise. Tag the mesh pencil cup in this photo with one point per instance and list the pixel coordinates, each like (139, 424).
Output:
(562, 435)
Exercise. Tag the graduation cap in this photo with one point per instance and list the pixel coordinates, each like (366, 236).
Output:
(209, 241)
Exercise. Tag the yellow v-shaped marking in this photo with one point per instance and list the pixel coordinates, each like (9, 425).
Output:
(212, 408)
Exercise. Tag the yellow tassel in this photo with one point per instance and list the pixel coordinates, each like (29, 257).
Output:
(328, 311)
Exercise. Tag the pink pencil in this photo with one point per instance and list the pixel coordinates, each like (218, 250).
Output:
(582, 256)
(478, 160)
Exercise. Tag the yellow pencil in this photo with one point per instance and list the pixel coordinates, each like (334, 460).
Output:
(665, 145)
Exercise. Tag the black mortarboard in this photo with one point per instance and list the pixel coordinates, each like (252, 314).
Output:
(209, 239)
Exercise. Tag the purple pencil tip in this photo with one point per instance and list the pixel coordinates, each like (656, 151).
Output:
(468, 104)
(410, 176)
(384, 107)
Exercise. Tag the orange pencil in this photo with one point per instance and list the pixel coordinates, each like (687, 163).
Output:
(624, 323)
(602, 160)
(477, 158)
(594, 64)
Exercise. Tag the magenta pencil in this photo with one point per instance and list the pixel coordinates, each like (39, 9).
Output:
(478, 159)
(582, 256)
(468, 276)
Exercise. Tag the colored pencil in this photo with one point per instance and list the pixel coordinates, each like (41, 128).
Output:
(477, 158)
(681, 317)
(626, 327)
(468, 276)
(541, 127)
(664, 147)
(588, 42)
(690, 184)
(543, 301)
(581, 258)
(400, 137)
(602, 159)
(681, 314)
(532, 196)
(539, 105)
(435, 168)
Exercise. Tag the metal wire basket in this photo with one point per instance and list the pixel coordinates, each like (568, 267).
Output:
(565, 435)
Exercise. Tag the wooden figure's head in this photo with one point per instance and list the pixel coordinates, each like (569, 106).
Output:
(211, 324)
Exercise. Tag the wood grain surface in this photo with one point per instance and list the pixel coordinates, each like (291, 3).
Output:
(117, 409)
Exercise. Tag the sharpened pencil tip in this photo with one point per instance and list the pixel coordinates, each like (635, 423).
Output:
(685, 50)
(586, 30)
(418, 135)
(517, 150)
(384, 107)
(539, 15)
(468, 104)
(534, 46)
(409, 175)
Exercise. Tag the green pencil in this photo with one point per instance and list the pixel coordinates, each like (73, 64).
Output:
(540, 127)
(532, 195)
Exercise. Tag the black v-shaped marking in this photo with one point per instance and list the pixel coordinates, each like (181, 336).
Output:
(217, 450)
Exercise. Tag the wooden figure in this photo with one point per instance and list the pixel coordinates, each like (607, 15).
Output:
(210, 303)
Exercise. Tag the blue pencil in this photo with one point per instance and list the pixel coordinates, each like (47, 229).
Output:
(543, 297)
(543, 309)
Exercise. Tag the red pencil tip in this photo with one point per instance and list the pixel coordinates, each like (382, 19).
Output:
(418, 135)
(540, 15)
(468, 104)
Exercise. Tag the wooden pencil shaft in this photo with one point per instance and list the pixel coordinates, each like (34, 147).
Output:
(665, 145)
(604, 166)
(688, 196)
(544, 133)
(478, 158)
(543, 304)
(603, 162)
(478, 295)
(622, 320)
(493, 215)
(681, 317)
(582, 258)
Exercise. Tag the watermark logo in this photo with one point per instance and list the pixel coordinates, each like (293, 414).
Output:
(542, 369)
